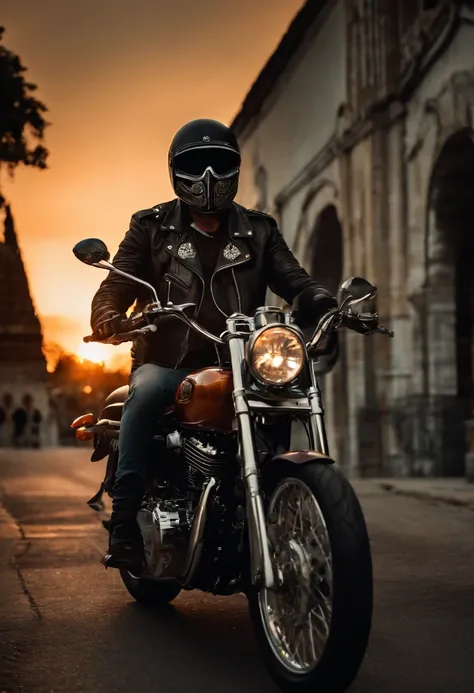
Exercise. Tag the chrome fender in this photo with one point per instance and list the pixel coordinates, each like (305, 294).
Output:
(303, 457)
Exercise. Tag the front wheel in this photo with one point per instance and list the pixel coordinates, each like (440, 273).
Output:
(313, 628)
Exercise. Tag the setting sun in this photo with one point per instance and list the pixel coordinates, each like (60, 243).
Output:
(97, 353)
(116, 358)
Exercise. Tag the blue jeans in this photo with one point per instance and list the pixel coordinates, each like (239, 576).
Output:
(152, 390)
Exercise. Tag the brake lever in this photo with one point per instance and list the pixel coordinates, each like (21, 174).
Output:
(153, 309)
(384, 330)
(121, 337)
(366, 324)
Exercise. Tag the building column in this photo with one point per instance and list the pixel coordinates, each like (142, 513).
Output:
(352, 218)
(398, 377)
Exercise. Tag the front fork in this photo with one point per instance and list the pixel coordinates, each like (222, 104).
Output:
(260, 559)
(319, 441)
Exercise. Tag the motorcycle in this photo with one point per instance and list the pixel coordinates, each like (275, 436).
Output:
(230, 508)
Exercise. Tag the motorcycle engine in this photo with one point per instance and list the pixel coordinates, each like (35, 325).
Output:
(166, 524)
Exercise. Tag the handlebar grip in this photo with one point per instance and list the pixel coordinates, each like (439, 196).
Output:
(127, 325)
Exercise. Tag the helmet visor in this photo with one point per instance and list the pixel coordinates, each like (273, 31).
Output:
(195, 162)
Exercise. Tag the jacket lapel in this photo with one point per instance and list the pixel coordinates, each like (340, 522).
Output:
(232, 253)
(180, 242)
(235, 251)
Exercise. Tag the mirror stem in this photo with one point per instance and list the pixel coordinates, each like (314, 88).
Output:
(103, 264)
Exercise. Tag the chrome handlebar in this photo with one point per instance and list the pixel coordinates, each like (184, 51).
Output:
(363, 323)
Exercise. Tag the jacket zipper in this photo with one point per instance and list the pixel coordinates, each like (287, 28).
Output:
(234, 264)
(239, 303)
(196, 314)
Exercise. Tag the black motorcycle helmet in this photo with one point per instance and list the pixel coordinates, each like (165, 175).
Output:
(204, 164)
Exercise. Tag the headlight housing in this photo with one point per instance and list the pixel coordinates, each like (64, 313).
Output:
(277, 355)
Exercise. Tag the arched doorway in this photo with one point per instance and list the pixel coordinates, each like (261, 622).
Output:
(327, 249)
(449, 377)
(327, 257)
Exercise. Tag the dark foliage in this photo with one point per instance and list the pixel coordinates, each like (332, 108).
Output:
(22, 123)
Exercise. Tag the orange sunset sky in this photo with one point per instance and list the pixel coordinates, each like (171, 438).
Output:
(119, 78)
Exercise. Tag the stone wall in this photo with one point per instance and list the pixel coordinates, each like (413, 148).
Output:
(299, 117)
(401, 89)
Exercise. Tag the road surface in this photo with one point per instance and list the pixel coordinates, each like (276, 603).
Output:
(66, 624)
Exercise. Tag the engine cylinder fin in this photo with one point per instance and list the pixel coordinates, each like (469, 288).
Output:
(204, 458)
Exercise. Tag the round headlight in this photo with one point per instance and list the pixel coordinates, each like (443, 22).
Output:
(277, 356)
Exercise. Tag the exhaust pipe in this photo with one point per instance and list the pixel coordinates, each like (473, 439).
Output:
(196, 544)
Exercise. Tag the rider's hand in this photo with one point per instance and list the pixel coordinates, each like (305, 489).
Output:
(310, 306)
(110, 323)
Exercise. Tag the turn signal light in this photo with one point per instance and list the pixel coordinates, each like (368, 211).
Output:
(84, 420)
(84, 434)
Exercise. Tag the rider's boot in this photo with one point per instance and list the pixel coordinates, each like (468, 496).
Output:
(126, 542)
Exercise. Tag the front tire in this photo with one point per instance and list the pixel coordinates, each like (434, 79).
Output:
(150, 592)
(314, 628)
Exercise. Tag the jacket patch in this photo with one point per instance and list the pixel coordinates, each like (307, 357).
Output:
(186, 251)
(231, 252)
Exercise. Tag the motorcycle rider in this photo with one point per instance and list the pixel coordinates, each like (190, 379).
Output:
(202, 248)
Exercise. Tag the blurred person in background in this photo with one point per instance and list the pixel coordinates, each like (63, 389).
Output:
(27, 424)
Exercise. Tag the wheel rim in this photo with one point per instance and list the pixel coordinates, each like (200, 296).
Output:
(296, 615)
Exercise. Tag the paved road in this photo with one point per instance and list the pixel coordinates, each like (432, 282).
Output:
(68, 625)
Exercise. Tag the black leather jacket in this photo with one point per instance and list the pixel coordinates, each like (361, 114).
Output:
(158, 248)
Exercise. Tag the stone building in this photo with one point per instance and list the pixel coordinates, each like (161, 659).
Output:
(22, 363)
(358, 136)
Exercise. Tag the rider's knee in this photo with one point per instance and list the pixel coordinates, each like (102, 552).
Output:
(145, 387)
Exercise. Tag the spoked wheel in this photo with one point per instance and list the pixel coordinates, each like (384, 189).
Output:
(150, 592)
(313, 628)
(297, 616)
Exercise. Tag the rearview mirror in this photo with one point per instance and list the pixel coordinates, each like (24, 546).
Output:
(355, 290)
(91, 251)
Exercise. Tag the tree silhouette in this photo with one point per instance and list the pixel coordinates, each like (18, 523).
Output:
(22, 123)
